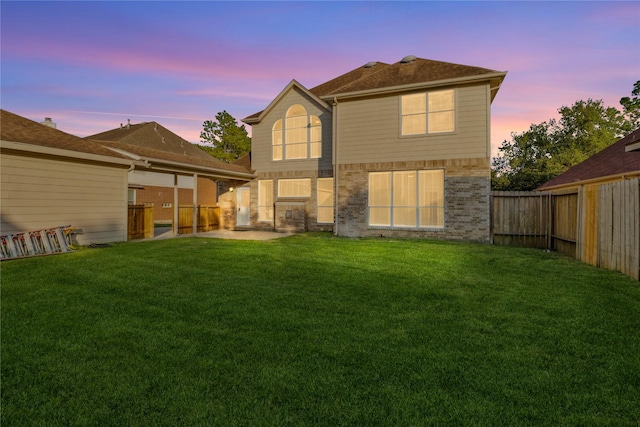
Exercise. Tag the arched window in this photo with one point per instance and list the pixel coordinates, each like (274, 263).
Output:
(299, 138)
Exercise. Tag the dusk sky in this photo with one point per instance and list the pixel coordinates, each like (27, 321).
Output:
(90, 66)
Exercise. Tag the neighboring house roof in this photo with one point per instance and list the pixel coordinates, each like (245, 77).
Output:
(244, 161)
(166, 160)
(151, 135)
(612, 161)
(409, 73)
(162, 149)
(20, 133)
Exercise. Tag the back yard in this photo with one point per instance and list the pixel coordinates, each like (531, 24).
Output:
(316, 330)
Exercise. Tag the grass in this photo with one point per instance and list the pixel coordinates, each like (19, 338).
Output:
(315, 330)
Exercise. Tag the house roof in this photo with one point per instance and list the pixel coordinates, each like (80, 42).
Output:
(17, 129)
(161, 160)
(613, 160)
(151, 135)
(409, 73)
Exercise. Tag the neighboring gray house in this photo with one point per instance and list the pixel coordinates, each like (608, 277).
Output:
(386, 149)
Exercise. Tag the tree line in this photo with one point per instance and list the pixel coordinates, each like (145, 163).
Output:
(547, 149)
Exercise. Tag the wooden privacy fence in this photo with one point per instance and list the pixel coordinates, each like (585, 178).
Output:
(598, 224)
(140, 222)
(520, 218)
(208, 218)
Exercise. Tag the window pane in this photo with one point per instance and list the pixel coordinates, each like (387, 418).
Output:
(404, 216)
(276, 140)
(380, 189)
(431, 198)
(296, 135)
(294, 187)
(316, 150)
(432, 217)
(413, 104)
(265, 200)
(325, 200)
(441, 101)
(277, 152)
(380, 216)
(325, 191)
(316, 134)
(441, 122)
(441, 111)
(404, 188)
(296, 110)
(296, 151)
(414, 125)
(325, 215)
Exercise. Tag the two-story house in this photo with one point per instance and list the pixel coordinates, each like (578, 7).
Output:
(384, 150)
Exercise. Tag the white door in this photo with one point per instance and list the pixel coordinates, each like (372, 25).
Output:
(243, 202)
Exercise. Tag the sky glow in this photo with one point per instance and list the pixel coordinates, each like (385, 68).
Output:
(90, 66)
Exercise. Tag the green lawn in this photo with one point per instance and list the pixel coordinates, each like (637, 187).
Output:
(316, 330)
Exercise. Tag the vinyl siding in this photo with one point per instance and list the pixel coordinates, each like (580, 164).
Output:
(369, 131)
(261, 155)
(41, 193)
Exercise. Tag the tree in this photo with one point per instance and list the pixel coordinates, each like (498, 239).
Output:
(631, 108)
(548, 149)
(228, 140)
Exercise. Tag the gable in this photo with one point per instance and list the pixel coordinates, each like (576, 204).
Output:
(151, 135)
(293, 88)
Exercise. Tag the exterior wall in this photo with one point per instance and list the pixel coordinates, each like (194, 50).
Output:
(297, 207)
(369, 130)
(368, 140)
(467, 186)
(261, 152)
(43, 193)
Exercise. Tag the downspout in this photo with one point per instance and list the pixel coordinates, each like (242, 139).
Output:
(334, 151)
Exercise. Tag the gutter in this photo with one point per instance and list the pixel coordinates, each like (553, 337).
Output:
(334, 153)
(156, 164)
(60, 152)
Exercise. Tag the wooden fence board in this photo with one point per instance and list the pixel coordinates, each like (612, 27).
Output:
(139, 222)
(208, 218)
(599, 224)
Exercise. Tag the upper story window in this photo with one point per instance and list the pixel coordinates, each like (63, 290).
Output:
(431, 112)
(298, 136)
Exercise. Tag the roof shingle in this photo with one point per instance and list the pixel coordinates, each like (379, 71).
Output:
(16, 128)
(613, 160)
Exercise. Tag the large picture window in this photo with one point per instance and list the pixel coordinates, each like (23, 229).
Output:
(406, 199)
(265, 200)
(298, 136)
(325, 200)
(431, 112)
(294, 187)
